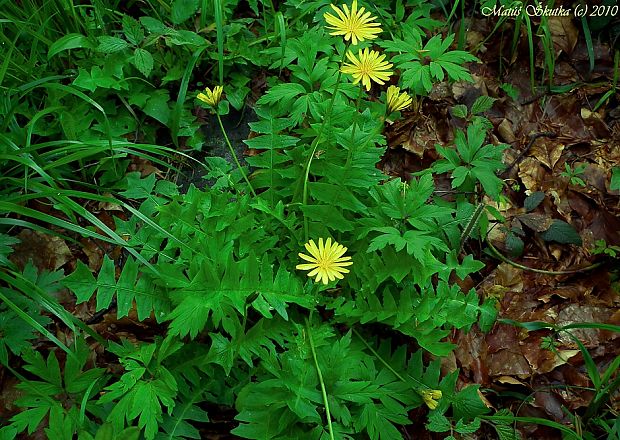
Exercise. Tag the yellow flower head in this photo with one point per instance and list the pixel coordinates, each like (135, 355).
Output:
(353, 24)
(368, 66)
(431, 397)
(211, 98)
(397, 101)
(326, 260)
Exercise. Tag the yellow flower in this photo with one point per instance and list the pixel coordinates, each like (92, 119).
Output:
(211, 98)
(369, 66)
(353, 24)
(397, 101)
(326, 260)
(431, 397)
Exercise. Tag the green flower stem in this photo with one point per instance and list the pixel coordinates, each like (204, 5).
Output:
(357, 110)
(497, 254)
(321, 382)
(388, 366)
(234, 155)
(315, 142)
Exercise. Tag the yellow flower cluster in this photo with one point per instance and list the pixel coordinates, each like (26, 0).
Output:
(431, 397)
(368, 66)
(353, 24)
(397, 101)
(326, 260)
(211, 98)
(357, 25)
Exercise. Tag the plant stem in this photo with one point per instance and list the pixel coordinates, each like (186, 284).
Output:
(234, 155)
(321, 382)
(357, 110)
(388, 366)
(315, 143)
(497, 254)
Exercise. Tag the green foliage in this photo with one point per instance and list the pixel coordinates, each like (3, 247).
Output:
(40, 397)
(366, 393)
(561, 232)
(472, 162)
(145, 386)
(424, 65)
(573, 174)
(615, 179)
(213, 271)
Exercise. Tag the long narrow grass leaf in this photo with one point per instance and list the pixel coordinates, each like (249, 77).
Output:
(219, 26)
(34, 324)
(178, 106)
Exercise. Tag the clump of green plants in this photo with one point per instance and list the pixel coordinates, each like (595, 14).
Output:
(304, 289)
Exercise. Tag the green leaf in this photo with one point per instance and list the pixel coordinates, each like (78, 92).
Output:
(336, 195)
(157, 106)
(81, 282)
(143, 60)
(133, 30)
(437, 422)
(282, 94)
(488, 315)
(30, 418)
(177, 426)
(6, 241)
(183, 37)
(153, 25)
(182, 10)
(532, 201)
(514, 245)
(222, 352)
(482, 104)
(108, 44)
(507, 432)
(460, 111)
(490, 182)
(106, 283)
(466, 404)
(16, 335)
(69, 41)
(561, 232)
(48, 371)
(8, 432)
(220, 293)
(615, 179)
(61, 426)
(468, 266)
(511, 91)
(146, 404)
(467, 428)
(328, 216)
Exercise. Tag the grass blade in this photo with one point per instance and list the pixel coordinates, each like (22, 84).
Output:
(219, 25)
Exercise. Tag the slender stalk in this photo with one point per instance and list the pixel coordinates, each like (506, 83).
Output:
(321, 382)
(357, 110)
(388, 366)
(234, 155)
(315, 142)
(219, 22)
(497, 254)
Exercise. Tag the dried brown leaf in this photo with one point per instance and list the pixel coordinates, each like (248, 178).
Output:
(536, 222)
(531, 174)
(547, 151)
(505, 131)
(563, 33)
(47, 252)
